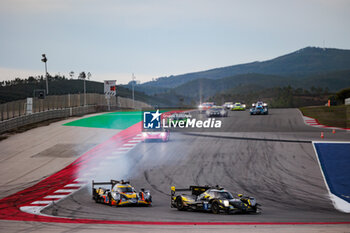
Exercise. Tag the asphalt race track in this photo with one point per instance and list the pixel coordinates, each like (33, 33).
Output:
(268, 157)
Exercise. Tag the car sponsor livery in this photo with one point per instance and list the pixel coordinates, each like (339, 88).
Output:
(212, 199)
(260, 108)
(120, 194)
(160, 134)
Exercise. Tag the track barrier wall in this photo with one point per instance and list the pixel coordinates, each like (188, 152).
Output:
(14, 115)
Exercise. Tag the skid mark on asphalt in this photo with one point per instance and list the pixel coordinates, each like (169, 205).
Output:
(248, 138)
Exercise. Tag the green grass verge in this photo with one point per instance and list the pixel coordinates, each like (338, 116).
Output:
(113, 120)
(337, 116)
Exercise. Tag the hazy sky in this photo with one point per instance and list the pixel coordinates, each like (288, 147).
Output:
(113, 39)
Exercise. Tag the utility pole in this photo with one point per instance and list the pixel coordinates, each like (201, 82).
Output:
(133, 96)
(44, 59)
(88, 76)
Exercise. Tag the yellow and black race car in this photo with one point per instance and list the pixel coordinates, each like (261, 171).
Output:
(212, 199)
(120, 194)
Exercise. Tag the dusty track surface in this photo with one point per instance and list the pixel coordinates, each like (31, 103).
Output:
(269, 157)
(283, 175)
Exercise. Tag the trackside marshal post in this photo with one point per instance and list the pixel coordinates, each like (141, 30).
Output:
(109, 90)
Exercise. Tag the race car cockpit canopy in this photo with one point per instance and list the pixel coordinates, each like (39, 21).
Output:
(195, 190)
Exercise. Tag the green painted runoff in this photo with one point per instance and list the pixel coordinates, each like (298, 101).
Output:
(113, 120)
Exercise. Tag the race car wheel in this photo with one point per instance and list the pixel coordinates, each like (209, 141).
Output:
(215, 207)
(179, 204)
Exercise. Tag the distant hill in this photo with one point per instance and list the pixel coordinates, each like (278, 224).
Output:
(301, 63)
(333, 81)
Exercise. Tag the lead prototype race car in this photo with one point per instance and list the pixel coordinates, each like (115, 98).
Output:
(260, 108)
(120, 194)
(159, 134)
(212, 199)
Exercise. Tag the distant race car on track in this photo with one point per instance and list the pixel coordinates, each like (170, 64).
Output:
(228, 105)
(260, 108)
(205, 106)
(216, 111)
(212, 199)
(160, 134)
(121, 193)
(238, 107)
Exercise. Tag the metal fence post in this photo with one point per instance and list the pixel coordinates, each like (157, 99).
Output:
(13, 109)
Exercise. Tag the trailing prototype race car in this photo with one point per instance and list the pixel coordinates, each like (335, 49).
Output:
(260, 103)
(216, 111)
(160, 134)
(228, 105)
(238, 107)
(212, 199)
(259, 108)
(120, 194)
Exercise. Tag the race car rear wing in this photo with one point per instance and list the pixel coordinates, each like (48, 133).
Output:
(196, 190)
(112, 183)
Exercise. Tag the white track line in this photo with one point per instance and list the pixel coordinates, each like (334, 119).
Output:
(74, 185)
(117, 152)
(65, 190)
(124, 148)
(56, 196)
(41, 202)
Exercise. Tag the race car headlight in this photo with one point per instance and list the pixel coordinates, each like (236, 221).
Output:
(147, 195)
(144, 134)
(199, 106)
(226, 203)
(264, 104)
(162, 134)
(252, 201)
(243, 105)
(115, 196)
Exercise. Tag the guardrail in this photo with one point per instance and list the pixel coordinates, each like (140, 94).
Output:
(18, 108)
(43, 116)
